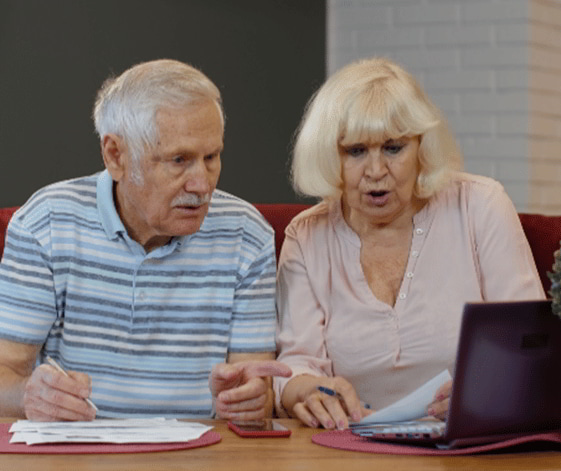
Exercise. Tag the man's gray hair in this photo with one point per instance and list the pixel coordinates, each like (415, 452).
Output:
(127, 105)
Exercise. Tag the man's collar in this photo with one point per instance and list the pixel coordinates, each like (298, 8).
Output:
(110, 220)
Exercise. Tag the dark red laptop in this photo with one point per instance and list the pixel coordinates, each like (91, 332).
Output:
(507, 381)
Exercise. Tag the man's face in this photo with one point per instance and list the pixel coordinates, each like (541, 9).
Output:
(179, 176)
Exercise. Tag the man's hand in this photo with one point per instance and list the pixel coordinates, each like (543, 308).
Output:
(241, 390)
(50, 395)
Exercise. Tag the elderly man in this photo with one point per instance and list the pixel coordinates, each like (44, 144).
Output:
(151, 288)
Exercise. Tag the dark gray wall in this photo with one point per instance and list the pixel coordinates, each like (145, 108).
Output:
(266, 56)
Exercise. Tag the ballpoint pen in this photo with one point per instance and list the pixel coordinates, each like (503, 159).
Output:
(331, 392)
(59, 368)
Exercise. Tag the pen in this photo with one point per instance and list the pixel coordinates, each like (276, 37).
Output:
(331, 392)
(59, 368)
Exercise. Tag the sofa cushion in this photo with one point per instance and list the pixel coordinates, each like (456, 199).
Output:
(279, 215)
(5, 216)
(543, 232)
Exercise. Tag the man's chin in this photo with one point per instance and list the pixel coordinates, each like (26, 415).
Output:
(187, 227)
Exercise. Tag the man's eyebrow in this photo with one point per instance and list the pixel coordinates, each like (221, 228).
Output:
(186, 152)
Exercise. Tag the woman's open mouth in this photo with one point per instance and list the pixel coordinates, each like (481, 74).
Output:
(379, 198)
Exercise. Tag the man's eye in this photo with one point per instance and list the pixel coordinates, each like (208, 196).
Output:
(178, 159)
(356, 151)
(211, 156)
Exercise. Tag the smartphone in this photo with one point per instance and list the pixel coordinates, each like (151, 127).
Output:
(259, 428)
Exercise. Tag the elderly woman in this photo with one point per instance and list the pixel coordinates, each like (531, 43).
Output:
(373, 279)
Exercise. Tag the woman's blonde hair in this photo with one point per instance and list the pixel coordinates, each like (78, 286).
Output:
(370, 101)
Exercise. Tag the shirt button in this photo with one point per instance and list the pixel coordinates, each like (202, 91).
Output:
(402, 295)
(141, 295)
(415, 253)
(410, 274)
(419, 231)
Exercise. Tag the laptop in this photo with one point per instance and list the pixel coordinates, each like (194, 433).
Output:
(507, 380)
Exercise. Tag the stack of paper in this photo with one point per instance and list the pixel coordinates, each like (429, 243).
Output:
(153, 430)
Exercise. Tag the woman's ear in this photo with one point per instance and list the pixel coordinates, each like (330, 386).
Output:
(113, 150)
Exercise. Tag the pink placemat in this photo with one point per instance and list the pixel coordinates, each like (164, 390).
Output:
(346, 440)
(209, 438)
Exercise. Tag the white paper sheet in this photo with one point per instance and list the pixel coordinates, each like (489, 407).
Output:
(152, 430)
(411, 407)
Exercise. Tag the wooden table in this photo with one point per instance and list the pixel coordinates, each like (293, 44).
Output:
(275, 454)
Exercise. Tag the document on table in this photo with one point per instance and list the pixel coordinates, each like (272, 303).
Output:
(151, 430)
(411, 407)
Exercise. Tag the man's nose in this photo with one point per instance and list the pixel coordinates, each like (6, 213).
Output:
(197, 179)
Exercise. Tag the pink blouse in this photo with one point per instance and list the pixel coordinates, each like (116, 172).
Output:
(467, 245)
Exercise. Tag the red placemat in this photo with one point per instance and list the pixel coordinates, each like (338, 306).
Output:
(346, 440)
(209, 438)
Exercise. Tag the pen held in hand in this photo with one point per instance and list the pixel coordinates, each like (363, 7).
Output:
(60, 369)
(331, 392)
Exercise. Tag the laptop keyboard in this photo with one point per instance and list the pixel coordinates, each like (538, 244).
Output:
(422, 429)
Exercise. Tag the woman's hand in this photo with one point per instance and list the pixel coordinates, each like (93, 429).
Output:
(315, 408)
(439, 407)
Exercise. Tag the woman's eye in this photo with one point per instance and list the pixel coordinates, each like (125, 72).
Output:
(356, 151)
(393, 149)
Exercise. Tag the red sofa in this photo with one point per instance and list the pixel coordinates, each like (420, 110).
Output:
(543, 232)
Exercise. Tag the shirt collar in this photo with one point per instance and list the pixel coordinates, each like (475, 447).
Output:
(108, 215)
(111, 221)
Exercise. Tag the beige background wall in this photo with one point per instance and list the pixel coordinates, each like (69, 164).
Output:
(544, 134)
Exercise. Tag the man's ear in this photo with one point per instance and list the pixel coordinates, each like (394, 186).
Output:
(113, 150)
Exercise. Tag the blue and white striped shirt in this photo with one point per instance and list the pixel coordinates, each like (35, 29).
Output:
(147, 327)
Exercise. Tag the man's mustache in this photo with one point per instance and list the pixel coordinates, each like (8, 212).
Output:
(191, 199)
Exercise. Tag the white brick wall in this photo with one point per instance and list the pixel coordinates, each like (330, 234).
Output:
(492, 66)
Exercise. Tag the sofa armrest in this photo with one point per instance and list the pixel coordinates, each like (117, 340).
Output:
(543, 234)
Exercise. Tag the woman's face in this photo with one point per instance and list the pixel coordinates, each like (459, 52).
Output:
(379, 180)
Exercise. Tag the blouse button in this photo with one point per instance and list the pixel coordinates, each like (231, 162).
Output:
(419, 231)
(410, 274)
(415, 253)
(402, 295)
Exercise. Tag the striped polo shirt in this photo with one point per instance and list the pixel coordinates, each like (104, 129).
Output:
(147, 327)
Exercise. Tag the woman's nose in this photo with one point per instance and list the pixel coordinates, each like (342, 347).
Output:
(375, 165)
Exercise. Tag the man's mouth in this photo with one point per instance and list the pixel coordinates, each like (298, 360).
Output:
(183, 206)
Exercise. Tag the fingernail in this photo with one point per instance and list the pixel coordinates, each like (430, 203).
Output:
(330, 424)
(315, 423)
(431, 411)
(341, 425)
(355, 416)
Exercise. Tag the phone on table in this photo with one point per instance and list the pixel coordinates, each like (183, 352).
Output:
(259, 428)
